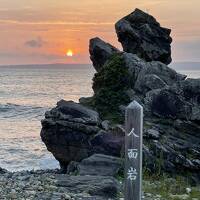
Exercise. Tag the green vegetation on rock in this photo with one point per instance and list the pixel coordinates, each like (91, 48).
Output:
(110, 85)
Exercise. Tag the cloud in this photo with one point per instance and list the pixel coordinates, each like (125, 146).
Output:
(35, 43)
(18, 22)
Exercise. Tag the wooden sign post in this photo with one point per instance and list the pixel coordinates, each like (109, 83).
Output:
(133, 151)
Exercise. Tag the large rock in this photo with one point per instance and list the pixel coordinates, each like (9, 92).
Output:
(96, 186)
(140, 33)
(171, 103)
(100, 52)
(73, 132)
(99, 164)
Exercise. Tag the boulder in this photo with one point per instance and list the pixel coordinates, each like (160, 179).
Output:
(100, 52)
(100, 165)
(140, 33)
(66, 130)
(107, 143)
(72, 132)
(96, 186)
(179, 101)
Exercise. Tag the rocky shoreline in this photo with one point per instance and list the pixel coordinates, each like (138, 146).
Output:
(50, 185)
(84, 180)
(53, 185)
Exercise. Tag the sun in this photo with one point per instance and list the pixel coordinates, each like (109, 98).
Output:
(69, 53)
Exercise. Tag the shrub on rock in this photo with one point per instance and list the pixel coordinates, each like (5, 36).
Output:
(109, 86)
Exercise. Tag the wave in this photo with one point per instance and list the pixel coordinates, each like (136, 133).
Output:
(10, 110)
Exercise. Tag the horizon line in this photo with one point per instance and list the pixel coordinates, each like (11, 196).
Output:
(45, 64)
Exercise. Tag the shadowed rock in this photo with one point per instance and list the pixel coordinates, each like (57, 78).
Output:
(155, 75)
(99, 164)
(3, 171)
(73, 132)
(102, 186)
(140, 33)
(182, 100)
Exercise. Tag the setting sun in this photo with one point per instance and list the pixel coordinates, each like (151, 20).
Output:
(69, 53)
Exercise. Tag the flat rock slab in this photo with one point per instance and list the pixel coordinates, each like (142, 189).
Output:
(94, 185)
(99, 164)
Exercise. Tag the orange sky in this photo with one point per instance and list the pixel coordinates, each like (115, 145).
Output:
(41, 31)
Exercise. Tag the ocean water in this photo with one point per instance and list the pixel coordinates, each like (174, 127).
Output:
(26, 92)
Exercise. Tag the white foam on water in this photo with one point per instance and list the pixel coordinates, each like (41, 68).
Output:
(25, 94)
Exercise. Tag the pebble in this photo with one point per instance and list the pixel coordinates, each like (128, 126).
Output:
(41, 185)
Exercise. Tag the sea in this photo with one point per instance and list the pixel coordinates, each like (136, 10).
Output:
(26, 93)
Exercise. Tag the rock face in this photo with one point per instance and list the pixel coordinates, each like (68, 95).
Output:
(73, 132)
(100, 52)
(140, 33)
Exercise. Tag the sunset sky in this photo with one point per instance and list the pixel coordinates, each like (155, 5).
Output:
(42, 31)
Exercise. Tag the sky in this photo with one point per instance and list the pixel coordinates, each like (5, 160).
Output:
(42, 31)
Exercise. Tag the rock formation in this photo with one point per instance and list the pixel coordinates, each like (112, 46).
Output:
(73, 132)
(140, 33)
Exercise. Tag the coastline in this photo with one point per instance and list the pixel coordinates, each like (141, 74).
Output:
(87, 138)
